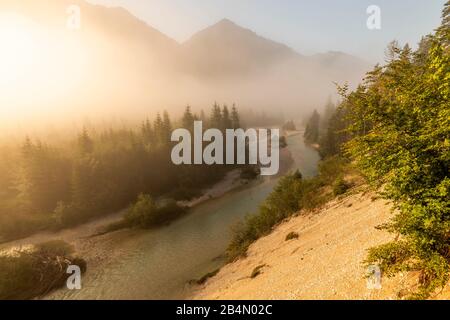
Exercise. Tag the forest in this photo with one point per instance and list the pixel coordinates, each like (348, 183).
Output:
(48, 186)
(393, 131)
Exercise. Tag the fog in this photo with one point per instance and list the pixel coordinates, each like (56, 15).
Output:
(114, 68)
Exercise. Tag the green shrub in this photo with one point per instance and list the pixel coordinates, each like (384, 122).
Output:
(292, 236)
(340, 187)
(66, 215)
(332, 168)
(34, 272)
(399, 121)
(290, 195)
(146, 213)
(257, 271)
(283, 142)
(250, 172)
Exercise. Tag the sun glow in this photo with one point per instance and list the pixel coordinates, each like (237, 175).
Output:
(40, 68)
(17, 47)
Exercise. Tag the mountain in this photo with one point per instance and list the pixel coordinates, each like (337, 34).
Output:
(110, 21)
(116, 64)
(226, 48)
(339, 63)
(239, 65)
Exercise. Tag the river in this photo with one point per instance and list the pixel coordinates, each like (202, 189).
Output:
(158, 264)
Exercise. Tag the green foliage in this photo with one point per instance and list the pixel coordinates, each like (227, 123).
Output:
(257, 271)
(312, 131)
(43, 178)
(146, 213)
(289, 126)
(340, 187)
(399, 119)
(235, 119)
(333, 134)
(283, 142)
(22, 225)
(250, 172)
(98, 172)
(31, 273)
(292, 194)
(292, 236)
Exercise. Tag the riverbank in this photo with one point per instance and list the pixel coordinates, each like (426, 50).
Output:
(159, 263)
(324, 262)
(231, 181)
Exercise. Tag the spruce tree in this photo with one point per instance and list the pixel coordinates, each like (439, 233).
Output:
(226, 119)
(188, 119)
(235, 120)
(216, 117)
(312, 130)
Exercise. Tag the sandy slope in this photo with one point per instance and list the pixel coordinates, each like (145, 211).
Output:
(324, 263)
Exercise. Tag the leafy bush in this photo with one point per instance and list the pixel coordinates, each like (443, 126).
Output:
(399, 119)
(291, 194)
(146, 213)
(250, 172)
(257, 271)
(34, 272)
(292, 236)
(283, 142)
(340, 187)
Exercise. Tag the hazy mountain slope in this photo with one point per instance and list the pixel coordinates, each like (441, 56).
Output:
(236, 63)
(114, 65)
(340, 64)
(111, 21)
(226, 48)
(117, 65)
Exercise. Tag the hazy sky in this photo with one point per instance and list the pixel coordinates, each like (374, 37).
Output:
(308, 26)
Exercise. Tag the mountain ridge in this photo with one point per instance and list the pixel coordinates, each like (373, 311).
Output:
(128, 62)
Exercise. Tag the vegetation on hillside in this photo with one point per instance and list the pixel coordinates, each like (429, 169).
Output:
(292, 194)
(396, 128)
(312, 130)
(289, 126)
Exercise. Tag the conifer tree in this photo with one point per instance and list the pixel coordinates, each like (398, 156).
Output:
(216, 117)
(85, 143)
(226, 120)
(313, 128)
(166, 128)
(235, 120)
(188, 119)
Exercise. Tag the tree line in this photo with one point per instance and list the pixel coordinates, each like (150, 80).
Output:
(396, 128)
(51, 186)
